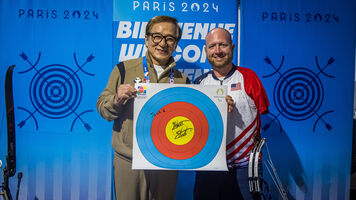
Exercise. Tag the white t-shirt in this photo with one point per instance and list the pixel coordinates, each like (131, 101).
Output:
(159, 70)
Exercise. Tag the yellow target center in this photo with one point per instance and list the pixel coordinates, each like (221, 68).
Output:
(179, 130)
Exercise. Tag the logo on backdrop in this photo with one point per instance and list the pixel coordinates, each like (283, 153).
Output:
(51, 14)
(297, 17)
(184, 7)
(56, 91)
(299, 93)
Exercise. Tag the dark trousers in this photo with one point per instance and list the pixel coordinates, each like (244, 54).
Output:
(221, 185)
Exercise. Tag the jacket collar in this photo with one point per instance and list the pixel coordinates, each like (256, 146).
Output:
(231, 72)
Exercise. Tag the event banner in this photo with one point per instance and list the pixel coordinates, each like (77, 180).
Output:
(60, 50)
(195, 18)
(179, 127)
(304, 53)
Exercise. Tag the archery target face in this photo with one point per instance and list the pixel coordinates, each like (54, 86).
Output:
(178, 128)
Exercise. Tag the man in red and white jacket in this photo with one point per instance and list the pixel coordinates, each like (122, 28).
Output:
(246, 100)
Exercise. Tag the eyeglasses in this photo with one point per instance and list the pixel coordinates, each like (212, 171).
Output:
(157, 38)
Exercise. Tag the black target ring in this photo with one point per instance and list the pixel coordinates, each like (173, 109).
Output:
(56, 91)
(298, 94)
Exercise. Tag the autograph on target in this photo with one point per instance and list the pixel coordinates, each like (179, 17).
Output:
(183, 129)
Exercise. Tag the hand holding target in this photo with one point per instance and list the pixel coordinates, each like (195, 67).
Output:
(124, 93)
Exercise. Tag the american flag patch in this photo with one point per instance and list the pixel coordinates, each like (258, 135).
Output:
(235, 86)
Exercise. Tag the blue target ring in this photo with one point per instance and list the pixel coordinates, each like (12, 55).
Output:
(56, 91)
(179, 94)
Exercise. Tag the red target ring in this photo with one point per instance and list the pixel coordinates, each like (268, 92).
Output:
(191, 148)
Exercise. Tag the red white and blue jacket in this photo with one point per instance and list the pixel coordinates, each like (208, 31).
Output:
(243, 123)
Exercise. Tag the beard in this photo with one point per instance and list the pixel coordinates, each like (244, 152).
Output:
(220, 64)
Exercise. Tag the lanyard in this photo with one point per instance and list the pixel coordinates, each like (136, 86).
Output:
(147, 76)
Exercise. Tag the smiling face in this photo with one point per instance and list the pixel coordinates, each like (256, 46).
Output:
(219, 48)
(160, 52)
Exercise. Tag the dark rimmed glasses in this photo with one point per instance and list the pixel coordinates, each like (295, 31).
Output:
(157, 38)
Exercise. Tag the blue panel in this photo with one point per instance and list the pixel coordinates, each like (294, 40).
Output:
(304, 53)
(62, 52)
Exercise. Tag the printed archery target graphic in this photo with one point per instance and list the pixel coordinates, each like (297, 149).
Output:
(56, 90)
(299, 93)
(179, 128)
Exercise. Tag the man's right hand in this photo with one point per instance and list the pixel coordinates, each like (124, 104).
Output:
(124, 93)
(230, 103)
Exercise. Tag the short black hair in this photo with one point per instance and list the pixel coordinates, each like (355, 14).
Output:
(163, 18)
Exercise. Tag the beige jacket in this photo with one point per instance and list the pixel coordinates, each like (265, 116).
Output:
(123, 115)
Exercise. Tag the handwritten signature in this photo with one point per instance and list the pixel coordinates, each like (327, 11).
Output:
(178, 124)
(159, 112)
(182, 132)
(183, 129)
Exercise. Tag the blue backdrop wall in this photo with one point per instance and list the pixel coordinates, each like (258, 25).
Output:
(303, 51)
(59, 49)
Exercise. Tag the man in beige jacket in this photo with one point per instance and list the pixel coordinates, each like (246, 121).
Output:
(116, 103)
